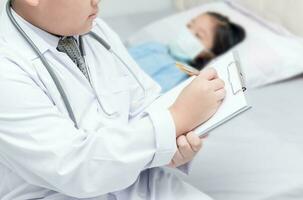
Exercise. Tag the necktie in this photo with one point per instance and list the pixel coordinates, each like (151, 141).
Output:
(70, 46)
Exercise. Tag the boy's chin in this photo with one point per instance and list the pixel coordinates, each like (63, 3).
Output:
(85, 30)
(80, 32)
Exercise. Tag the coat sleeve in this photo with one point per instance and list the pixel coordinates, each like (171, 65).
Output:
(42, 145)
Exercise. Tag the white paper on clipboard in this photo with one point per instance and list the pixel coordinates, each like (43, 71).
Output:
(234, 102)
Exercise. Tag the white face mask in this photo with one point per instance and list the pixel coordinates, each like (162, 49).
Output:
(186, 47)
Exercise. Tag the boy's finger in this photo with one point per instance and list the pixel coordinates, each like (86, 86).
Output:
(194, 141)
(185, 148)
(209, 73)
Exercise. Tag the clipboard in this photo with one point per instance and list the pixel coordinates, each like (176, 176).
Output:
(236, 89)
(237, 63)
(229, 69)
(192, 71)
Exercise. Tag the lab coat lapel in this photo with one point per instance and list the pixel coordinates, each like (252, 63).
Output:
(73, 68)
(109, 86)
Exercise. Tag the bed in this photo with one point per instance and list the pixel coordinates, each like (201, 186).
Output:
(259, 154)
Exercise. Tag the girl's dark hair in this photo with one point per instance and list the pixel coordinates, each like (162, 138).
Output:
(227, 35)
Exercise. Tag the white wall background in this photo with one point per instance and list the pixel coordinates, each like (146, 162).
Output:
(111, 8)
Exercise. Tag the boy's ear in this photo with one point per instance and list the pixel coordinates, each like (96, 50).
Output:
(33, 2)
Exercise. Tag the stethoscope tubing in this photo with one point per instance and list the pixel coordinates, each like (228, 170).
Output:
(54, 76)
(43, 60)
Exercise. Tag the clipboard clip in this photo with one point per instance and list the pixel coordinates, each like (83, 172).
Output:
(236, 63)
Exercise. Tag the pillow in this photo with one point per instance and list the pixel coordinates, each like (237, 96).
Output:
(266, 55)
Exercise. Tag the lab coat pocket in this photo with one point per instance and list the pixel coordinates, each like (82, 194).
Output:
(116, 98)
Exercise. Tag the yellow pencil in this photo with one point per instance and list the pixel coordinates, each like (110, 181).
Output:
(187, 69)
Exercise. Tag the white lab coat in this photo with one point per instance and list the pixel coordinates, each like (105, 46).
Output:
(42, 154)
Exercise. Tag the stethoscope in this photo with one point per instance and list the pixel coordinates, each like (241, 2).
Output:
(55, 78)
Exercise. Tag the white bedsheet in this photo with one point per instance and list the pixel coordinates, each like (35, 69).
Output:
(259, 154)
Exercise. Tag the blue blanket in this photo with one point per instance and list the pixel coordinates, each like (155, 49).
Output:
(156, 61)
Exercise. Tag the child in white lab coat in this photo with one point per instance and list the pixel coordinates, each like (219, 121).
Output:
(117, 142)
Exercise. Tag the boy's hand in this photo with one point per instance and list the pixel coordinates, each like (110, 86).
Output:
(198, 101)
(188, 146)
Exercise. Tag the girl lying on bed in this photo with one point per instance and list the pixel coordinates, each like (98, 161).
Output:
(207, 36)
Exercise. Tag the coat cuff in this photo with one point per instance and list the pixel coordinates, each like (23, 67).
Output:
(165, 133)
(186, 168)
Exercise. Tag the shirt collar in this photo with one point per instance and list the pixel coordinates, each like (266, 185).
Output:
(42, 39)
